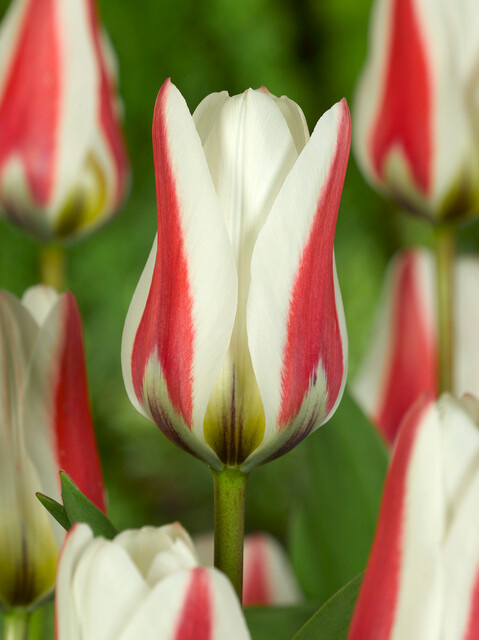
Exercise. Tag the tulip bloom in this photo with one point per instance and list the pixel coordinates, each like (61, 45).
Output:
(63, 163)
(235, 341)
(416, 109)
(401, 361)
(268, 577)
(144, 584)
(45, 426)
(422, 578)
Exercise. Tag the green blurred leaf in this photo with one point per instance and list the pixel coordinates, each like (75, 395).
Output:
(332, 621)
(333, 527)
(80, 509)
(55, 509)
(280, 623)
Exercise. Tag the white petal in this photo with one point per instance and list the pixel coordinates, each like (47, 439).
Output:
(39, 300)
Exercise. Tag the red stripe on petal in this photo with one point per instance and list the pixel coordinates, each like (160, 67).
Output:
(472, 632)
(412, 364)
(256, 589)
(375, 611)
(29, 109)
(108, 117)
(313, 333)
(166, 327)
(196, 617)
(74, 435)
(404, 118)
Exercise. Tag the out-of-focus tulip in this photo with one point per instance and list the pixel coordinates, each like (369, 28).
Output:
(401, 361)
(416, 113)
(268, 577)
(235, 341)
(144, 584)
(422, 577)
(63, 163)
(45, 426)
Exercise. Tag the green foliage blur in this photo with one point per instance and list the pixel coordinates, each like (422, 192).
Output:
(310, 50)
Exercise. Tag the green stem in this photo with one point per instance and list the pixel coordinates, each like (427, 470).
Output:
(230, 494)
(16, 624)
(445, 252)
(52, 266)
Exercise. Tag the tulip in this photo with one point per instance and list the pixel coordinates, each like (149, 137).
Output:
(417, 108)
(268, 575)
(63, 163)
(235, 340)
(45, 426)
(422, 577)
(144, 584)
(401, 361)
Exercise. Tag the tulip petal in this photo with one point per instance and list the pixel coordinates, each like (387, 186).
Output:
(28, 551)
(295, 319)
(461, 608)
(268, 575)
(407, 98)
(58, 424)
(39, 300)
(400, 363)
(294, 116)
(250, 151)
(401, 592)
(157, 552)
(180, 320)
(466, 342)
(206, 113)
(189, 605)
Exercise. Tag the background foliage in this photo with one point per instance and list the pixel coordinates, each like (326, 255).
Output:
(322, 498)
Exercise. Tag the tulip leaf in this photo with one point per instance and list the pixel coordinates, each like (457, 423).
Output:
(332, 621)
(280, 623)
(55, 509)
(334, 522)
(80, 509)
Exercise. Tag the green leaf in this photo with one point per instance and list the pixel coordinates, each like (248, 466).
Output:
(280, 623)
(56, 509)
(80, 509)
(333, 526)
(332, 621)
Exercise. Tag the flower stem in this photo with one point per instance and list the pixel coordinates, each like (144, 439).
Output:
(52, 266)
(230, 494)
(16, 624)
(445, 252)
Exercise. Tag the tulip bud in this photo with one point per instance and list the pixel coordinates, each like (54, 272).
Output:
(422, 578)
(63, 164)
(235, 341)
(45, 426)
(417, 109)
(400, 363)
(143, 584)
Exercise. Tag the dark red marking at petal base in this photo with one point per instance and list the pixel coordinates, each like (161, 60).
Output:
(472, 632)
(256, 589)
(167, 325)
(412, 365)
(29, 108)
(313, 333)
(74, 434)
(108, 117)
(404, 118)
(375, 610)
(196, 617)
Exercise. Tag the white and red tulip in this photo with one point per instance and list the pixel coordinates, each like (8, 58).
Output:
(45, 426)
(144, 584)
(63, 163)
(235, 341)
(422, 577)
(416, 115)
(268, 577)
(401, 361)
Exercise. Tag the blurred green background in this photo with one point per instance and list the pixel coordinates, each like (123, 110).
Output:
(311, 51)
